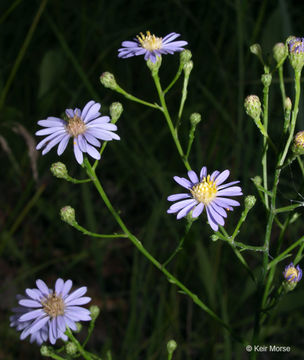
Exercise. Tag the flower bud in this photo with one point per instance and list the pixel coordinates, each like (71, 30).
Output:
(185, 56)
(171, 346)
(188, 68)
(59, 170)
(292, 276)
(253, 106)
(116, 110)
(279, 52)
(46, 350)
(257, 180)
(154, 66)
(108, 80)
(71, 348)
(298, 143)
(266, 79)
(95, 311)
(214, 237)
(296, 52)
(287, 104)
(67, 214)
(195, 119)
(250, 201)
(256, 50)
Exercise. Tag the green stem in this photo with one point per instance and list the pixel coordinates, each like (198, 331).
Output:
(265, 124)
(134, 98)
(180, 245)
(164, 109)
(141, 249)
(182, 103)
(77, 343)
(103, 236)
(178, 74)
(282, 86)
(288, 208)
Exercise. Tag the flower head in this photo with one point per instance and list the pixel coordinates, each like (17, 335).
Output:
(151, 46)
(207, 191)
(85, 127)
(292, 274)
(45, 314)
(296, 52)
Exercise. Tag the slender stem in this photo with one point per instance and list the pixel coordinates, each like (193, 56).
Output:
(134, 98)
(178, 74)
(183, 99)
(103, 236)
(169, 121)
(77, 343)
(282, 86)
(141, 248)
(54, 356)
(76, 181)
(265, 124)
(180, 245)
(288, 208)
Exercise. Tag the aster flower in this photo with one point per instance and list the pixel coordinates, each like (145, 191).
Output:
(85, 127)
(151, 46)
(45, 314)
(292, 274)
(207, 191)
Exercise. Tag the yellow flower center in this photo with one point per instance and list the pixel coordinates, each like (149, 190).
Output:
(299, 139)
(293, 272)
(53, 305)
(75, 126)
(205, 191)
(150, 42)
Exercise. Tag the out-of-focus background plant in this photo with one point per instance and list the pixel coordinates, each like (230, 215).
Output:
(52, 54)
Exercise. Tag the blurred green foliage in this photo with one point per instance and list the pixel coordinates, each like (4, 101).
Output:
(51, 59)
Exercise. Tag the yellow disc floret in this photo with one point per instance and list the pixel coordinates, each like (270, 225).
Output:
(291, 274)
(53, 305)
(205, 191)
(150, 42)
(75, 126)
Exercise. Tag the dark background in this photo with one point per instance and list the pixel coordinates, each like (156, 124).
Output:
(56, 66)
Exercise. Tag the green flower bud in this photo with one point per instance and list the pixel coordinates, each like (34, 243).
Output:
(185, 56)
(253, 106)
(294, 217)
(292, 276)
(95, 311)
(188, 67)
(67, 214)
(46, 350)
(214, 237)
(257, 180)
(116, 110)
(266, 79)
(59, 170)
(256, 50)
(279, 52)
(108, 80)
(154, 66)
(287, 104)
(195, 119)
(298, 143)
(171, 346)
(250, 201)
(71, 348)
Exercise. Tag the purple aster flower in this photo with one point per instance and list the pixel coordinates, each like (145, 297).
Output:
(45, 314)
(151, 46)
(85, 127)
(207, 191)
(292, 274)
